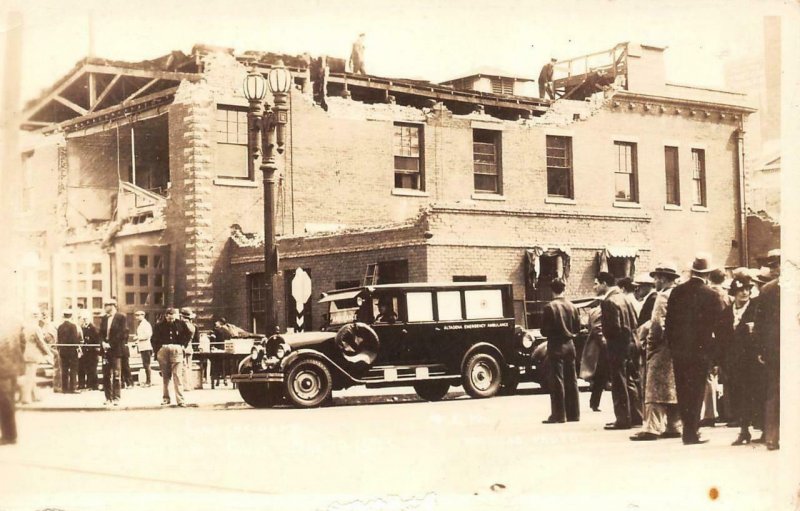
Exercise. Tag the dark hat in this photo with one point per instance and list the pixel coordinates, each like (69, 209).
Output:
(171, 310)
(762, 275)
(667, 270)
(738, 284)
(772, 259)
(186, 312)
(110, 301)
(67, 314)
(702, 263)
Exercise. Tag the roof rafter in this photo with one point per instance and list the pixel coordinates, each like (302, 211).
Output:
(140, 73)
(71, 105)
(52, 95)
(143, 88)
(105, 92)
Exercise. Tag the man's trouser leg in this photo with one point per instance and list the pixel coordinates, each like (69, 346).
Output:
(107, 380)
(619, 389)
(166, 370)
(557, 388)
(82, 372)
(710, 397)
(69, 370)
(772, 406)
(673, 424)
(634, 386)
(116, 378)
(654, 418)
(91, 372)
(178, 373)
(146, 364)
(29, 391)
(571, 402)
(8, 422)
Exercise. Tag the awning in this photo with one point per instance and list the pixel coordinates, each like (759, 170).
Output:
(346, 295)
(533, 265)
(622, 252)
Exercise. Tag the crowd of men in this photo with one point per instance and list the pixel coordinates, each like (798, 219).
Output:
(664, 350)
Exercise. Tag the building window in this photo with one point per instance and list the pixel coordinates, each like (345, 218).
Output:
(232, 161)
(143, 281)
(408, 162)
(625, 175)
(673, 175)
(699, 176)
(486, 158)
(559, 167)
(257, 293)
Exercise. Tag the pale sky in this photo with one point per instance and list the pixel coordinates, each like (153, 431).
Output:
(426, 39)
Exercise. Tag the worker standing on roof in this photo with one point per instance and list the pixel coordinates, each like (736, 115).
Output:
(357, 56)
(546, 80)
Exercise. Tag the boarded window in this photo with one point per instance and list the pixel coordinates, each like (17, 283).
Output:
(672, 171)
(486, 160)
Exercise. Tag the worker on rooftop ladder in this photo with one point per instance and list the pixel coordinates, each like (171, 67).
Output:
(357, 56)
(546, 80)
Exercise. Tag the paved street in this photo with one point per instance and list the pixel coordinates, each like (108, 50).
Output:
(460, 453)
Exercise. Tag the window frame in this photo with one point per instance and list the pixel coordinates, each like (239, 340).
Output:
(569, 168)
(633, 175)
(222, 127)
(699, 179)
(676, 177)
(420, 173)
(497, 145)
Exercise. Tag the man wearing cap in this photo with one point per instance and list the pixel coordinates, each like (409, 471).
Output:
(69, 339)
(113, 338)
(694, 311)
(618, 318)
(768, 332)
(170, 338)
(660, 401)
(546, 80)
(144, 332)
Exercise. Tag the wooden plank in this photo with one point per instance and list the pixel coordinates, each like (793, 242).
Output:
(92, 90)
(55, 93)
(105, 92)
(142, 73)
(71, 105)
(141, 90)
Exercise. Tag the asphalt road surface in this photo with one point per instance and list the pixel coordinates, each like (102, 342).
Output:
(457, 454)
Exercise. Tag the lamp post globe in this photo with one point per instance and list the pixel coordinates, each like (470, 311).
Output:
(279, 79)
(255, 87)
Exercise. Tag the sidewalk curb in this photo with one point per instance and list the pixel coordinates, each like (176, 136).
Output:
(137, 408)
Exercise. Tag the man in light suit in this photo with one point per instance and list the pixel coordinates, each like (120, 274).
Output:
(113, 338)
(619, 320)
(693, 313)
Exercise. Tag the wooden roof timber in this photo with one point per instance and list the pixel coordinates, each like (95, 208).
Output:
(87, 70)
(440, 93)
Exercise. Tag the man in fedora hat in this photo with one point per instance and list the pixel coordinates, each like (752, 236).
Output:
(661, 418)
(113, 339)
(69, 337)
(618, 319)
(694, 311)
(646, 294)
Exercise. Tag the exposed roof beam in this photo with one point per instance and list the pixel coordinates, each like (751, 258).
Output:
(71, 105)
(54, 93)
(92, 90)
(141, 73)
(160, 97)
(105, 92)
(142, 89)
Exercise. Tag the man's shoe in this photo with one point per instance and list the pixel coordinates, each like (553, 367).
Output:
(577, 419)
(551, 420)
(181, 405)
(707, 423)
(116, 402)
(742, 439)
(670, 434)
(733, 424)
(107, 402)
(694, 441)
(644, 436)
(595, 408)
(164, 402)
(616, 426)
(772, 446)
(8, 441)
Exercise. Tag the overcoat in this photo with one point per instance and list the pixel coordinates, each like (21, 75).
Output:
(660, 380)
(117, 337)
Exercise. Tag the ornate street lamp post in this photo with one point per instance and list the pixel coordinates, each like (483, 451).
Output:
(267, 127)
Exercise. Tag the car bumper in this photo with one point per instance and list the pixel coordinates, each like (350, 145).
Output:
(271, 377)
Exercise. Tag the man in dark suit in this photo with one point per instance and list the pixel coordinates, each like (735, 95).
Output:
(693, 314)
(68, 339)
(114, 338)
(87, 367)
(768, 333)
(619, 322)
(561, 324)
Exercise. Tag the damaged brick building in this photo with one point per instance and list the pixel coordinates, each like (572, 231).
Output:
(136, 182)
